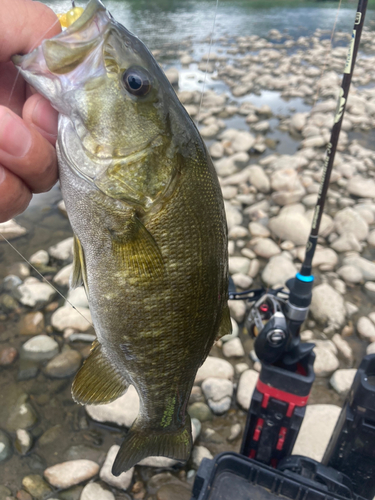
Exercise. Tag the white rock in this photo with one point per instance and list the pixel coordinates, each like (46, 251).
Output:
(123, 411)
(241, 367)
(94, 491)
(371, 238)
(61, 206)
(278, 270)
(10, 230)
(234, 216)
(298, 121)
(342, 380)
(123, 481)
(259, 179)
(346, 242)
(325, 362)
(77, 298)
(35, 294)
(172, 75)
(199, 453)
(63, 276)
(327, 305)
(266, 248)
(40, 257)
(69, 473)
(40, 347)
(343, 347)
(366, 329)
(254, 269)
(238, 265)
(257, 229)
(214, 367)
(238, 232)
(242, 280)
(367, 267)
(217, 388)
(349, 221)
(350, 274)
(359, 186)
(371, 348)
(237, 309)
(63, 250)
(233, 348)
(291, 226)
(234, 333)
(316, 430)
(246, 386)
(67, 317)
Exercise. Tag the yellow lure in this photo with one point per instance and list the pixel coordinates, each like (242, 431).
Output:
(72, 15)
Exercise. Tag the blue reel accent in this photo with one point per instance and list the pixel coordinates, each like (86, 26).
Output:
(306, 279)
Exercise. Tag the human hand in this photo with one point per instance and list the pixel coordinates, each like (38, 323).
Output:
(28, 161)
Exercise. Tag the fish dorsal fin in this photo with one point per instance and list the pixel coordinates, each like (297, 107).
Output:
(137, 250)
(98, 381)
(225, 327)
(79, 266)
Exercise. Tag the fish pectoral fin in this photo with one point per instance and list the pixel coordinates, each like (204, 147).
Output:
(136, 248)
(141, 442)
(225, 327)
(79, 266)
(98, 381)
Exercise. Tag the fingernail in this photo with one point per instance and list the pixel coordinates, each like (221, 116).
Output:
(2, 174)
(15, 137)
(45, 117)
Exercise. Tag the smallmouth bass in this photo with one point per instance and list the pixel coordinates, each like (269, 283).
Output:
(147, 213)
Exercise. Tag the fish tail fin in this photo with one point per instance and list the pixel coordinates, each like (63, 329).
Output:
(141, 442)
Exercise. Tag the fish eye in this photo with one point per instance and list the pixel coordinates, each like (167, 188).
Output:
(137, 81)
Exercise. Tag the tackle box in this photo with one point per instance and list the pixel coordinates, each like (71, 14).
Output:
(230, 476)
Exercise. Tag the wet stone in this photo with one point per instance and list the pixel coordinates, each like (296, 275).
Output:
(23, 495)
(215, 367)
(35, 294)
(246, 386)
(123, 411)
(233, 348)
(235, 432)
(22, 415)
(32, 324)
(199, 453)
(63, 250)
(63, 276)
(366, 329)
(200, 411)
(342, 380)
(83, 451)
(28, 369)
(173, 492)
(4, 492)
(39, 348)
(70, 473)
(36, 486)
(123, 481)
(11, 283)
(95, 491)
(67, 317)
(23, 442)
(8, 303)
(73, 493)
(325, 362)
(327, 305)
(64, 364)
(5, 446)
(7, 355)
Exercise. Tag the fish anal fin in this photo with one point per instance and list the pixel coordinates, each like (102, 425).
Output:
(78, 276)
(98, 381)
(137, 250)
(225, 327)
(141, 442)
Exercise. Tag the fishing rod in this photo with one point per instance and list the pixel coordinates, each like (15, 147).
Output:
(276, 317)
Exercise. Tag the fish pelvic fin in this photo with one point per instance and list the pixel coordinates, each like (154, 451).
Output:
(98, 381)
(225, 326)
(78, 276)
(141, 442)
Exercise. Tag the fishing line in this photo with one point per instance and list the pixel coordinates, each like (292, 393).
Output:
(32, 48)
(324, 67)
(208, 58)
(44, 279)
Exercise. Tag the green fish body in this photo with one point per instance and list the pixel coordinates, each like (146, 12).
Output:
(150, 232)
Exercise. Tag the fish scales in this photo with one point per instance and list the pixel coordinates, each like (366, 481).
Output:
(148, 217)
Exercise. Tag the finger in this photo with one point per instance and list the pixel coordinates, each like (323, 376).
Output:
(12, 87)
(26, 153)
(39, 113)
(23, 26)
(14, 195)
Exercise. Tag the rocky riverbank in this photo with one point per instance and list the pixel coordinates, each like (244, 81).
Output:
(51, 447)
